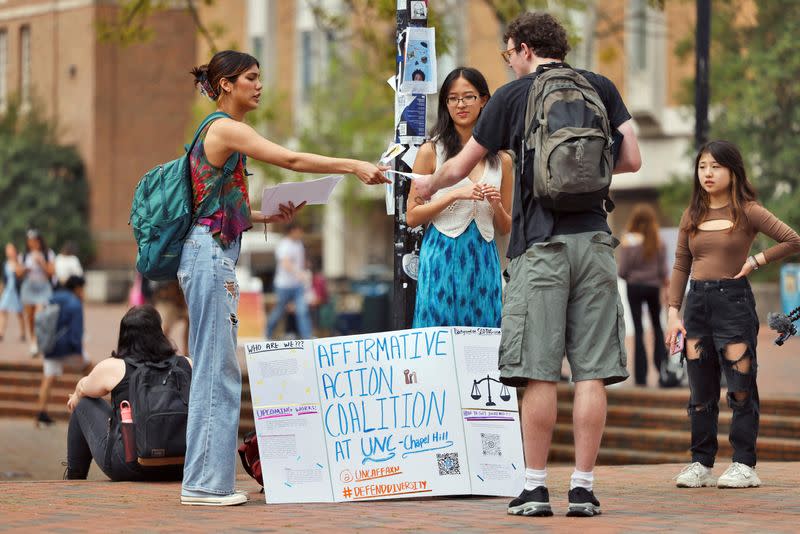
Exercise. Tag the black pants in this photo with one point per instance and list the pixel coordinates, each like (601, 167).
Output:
(720, 313)
(88, 438)
(637, 296)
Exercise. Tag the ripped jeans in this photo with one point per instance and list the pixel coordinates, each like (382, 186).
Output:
(720, 313)
(208, 280)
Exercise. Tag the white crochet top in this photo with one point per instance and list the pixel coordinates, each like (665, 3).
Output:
(455, 218)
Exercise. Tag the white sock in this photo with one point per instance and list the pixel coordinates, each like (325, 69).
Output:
(582, 479)
(535, 478)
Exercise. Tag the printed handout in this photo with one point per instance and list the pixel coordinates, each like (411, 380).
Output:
(311, 192)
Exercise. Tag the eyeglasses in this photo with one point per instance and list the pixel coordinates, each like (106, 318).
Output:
(467, 100)
(507, 54)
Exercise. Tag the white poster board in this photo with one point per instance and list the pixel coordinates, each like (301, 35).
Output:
(387, 415)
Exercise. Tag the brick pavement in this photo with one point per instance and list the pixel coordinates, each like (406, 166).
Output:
(633, 499)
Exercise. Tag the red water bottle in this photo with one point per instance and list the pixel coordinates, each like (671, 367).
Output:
(128, 431)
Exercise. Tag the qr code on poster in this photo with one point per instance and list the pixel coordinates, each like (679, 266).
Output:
(490, 444)
(448, 463)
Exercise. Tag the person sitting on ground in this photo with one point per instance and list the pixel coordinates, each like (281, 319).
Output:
(67, 351)
(141, 338)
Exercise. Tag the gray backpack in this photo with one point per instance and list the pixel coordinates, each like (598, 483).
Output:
(568, 132)
(45, 327)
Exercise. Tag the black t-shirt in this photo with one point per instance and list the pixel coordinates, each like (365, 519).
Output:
(501, 126)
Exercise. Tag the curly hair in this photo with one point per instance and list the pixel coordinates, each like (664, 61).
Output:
(541, 32)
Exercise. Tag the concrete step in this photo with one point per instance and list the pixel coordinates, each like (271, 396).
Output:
(30, 394)
(33, 379)
(565, 453)
(678, 398)
(673, 442)
(774, 426)
(11, 408)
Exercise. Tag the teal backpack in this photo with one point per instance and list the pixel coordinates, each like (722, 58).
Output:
(161, 213)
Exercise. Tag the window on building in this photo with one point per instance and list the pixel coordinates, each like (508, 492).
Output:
(639, 13)
(3, 69)
(258, 48)
(25, 65)
(306, 66)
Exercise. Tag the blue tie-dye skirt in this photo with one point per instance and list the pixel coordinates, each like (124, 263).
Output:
(459, 280)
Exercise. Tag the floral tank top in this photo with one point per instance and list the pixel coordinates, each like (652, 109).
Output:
(222, 206)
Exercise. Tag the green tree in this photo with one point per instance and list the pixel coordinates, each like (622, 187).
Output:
(755, 97)
(42, 183)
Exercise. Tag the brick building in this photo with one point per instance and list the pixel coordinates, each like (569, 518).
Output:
(125, 108)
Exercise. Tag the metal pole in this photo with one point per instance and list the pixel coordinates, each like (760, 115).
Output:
(701, 94)
(405, 288)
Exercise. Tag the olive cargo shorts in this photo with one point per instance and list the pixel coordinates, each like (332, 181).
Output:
(562, 297)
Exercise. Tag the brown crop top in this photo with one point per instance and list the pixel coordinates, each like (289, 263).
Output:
(720, 254)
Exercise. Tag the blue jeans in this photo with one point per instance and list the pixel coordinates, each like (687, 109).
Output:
(208, 280)
(298, 296)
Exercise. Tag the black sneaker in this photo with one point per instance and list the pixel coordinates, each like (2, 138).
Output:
(44, 420)
(535, 502)
(582, 503)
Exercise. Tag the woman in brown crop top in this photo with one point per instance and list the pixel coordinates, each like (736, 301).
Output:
(720, 324)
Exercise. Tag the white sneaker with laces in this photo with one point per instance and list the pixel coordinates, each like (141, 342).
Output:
(695, 475)
(739, 476)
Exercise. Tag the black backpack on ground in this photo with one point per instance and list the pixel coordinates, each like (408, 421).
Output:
(159, 397)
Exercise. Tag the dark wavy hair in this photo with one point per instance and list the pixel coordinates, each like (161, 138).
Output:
(541, 32)
(742, 191)
(444, 130)
(225, 64)
(141, 336)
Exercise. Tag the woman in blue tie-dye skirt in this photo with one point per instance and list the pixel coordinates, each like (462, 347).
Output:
(459, 280)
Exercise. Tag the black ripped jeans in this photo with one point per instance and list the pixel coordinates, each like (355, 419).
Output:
(720, 313)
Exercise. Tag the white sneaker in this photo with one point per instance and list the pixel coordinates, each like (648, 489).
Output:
(215, 500)
(739, 476)
(695, 475)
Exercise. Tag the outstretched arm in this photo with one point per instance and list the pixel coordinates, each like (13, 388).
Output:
(630, 159)
(234, 136)
(452, 170)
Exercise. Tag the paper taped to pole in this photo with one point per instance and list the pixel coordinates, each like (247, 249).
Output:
(410, 413)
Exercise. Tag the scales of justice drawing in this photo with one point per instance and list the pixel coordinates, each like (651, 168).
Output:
(476, 390)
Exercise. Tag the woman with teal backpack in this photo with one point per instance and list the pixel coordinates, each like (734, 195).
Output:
(206, 273)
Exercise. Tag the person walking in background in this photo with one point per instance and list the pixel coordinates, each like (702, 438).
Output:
(68, 348)
(37, 269)
(642, 263)
(221, 206)
(720, 325)
(89, 436)
(10, 302)
(291, 281)
(67, 263)
(561, 295)
(459, 280)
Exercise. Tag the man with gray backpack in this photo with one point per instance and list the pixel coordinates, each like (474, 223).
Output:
(59, 331)
(570, 130)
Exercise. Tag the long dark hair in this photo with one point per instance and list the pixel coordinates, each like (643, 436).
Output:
(225, 64)
(36, 235)
(444, 130)
(726, 154)
(645, 221)
(141, 336)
